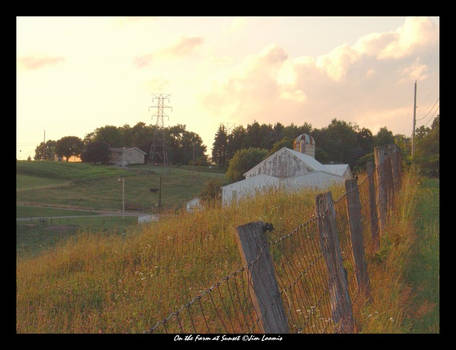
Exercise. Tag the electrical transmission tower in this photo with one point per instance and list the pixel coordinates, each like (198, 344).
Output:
(157, 151)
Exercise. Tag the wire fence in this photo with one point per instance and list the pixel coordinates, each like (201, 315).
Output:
(301, 288)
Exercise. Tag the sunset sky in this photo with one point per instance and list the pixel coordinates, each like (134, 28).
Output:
(75, 74)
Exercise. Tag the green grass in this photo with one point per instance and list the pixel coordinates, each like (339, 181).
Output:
(36, 237)
(25, 182)
(26, 212)
(100, 189)
(67, 171)
(422, 271)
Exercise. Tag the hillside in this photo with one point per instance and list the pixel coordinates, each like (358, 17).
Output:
(126, 284)
(98, 187)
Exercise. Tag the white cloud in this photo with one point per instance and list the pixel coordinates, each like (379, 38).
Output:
(356, 83)
(415, 71)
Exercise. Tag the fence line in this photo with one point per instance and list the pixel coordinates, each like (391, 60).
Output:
(308, 280)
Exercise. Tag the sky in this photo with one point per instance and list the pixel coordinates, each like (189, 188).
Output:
(76, 74)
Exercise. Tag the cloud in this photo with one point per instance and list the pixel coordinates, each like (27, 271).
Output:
(358, 82)
(183, 47)
(32, 62)
(416, 33)
(415, 71)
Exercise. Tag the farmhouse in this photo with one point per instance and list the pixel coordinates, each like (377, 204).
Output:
(288, 169)
(124, 156)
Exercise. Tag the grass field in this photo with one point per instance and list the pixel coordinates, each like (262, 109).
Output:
(97, 187)
(28, 212)
(25, 182)
(101, 281)
(36, 237)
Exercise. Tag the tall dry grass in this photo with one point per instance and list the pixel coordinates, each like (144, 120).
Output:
(99, 284)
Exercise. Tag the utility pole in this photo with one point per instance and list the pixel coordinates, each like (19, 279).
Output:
(122, 179)
(160, 196)
(414, 123)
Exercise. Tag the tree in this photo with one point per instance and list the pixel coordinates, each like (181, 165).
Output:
(219, 147)
(427, 153)
(212, 191)
(244, 160)
(110, 134)
(96, 152)
(383, 137)
(285, 142)
(69, 146)
(338, 142)
(45, 151)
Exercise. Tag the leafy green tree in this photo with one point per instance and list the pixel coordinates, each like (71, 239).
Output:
(96, 152)
(45, 151)
(383, 137)
(110, 134)
(427, 152)
(219, 147)
(244, 160)
(69, 146)
(285, 142)
(338, 143)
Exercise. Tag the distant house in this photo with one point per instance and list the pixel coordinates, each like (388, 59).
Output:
(124, 156)
(290, 169)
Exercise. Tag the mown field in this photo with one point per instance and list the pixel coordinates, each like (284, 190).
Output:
(98, 187)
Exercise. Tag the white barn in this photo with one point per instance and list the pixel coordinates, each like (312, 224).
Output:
(289, 170)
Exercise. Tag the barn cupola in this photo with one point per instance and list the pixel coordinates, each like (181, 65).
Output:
(305, 144)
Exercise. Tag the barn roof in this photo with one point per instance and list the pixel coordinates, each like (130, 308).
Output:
(310, 162)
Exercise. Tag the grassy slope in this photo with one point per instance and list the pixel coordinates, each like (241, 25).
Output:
(25, 212)
(35, 237)
(422, 271)
(125, 284)
(98, 187)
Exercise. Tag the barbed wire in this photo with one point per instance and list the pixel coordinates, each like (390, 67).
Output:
(301, 275)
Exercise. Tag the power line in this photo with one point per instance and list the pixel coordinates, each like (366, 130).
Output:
(429, 110)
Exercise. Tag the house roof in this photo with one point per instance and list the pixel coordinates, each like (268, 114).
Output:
(122, 149)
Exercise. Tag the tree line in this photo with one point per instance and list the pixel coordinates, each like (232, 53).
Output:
(339, 142)
(182, 146)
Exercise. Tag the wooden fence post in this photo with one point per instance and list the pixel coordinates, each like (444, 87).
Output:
(356, 235)
(341, 306)
(380, 161)
(373, 206)
(393, 153)
(389, 181)
(265, 293)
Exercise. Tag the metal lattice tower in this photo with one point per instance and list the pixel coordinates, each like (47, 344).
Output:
(157, 151)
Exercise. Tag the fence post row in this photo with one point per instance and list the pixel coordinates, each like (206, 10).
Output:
(356, 235)
(373, 206)
(341, 306)
(265, 294)
(380, 160)
(394, 155)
